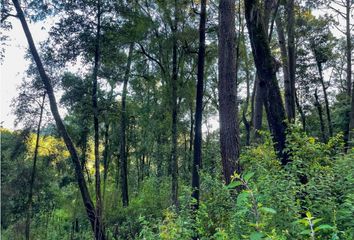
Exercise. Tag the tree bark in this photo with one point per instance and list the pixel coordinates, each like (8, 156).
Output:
(105, 157)
(302, 114)
(86, 198)
(349, 131)
(34, 170)
(285, 66)
(324, 89)
(266, 71)
(174, 80)
(96, 124)
(197, 156)
(229, 132)
(319, 110)
(123, 123)
(290, 90)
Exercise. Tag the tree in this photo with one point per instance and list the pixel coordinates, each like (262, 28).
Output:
(123, 123)
(89, 206)
(197, 156)
(229, 132)
(266, 71)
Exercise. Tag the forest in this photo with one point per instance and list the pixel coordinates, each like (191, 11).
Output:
(180, 119)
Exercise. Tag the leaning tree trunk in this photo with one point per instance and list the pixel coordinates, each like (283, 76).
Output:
(266, 71)
(197, 156)
(33, 175)
(229, 132)
(123, 123)
(86, 198)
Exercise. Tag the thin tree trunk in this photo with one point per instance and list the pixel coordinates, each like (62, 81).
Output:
(86, 198)
(105, 157)
(248, 95)
(197, 156)
(123, 123)
(290, 96)
(324, 89)
(33, 175)
(95, 124)
(266, 71)
(285, 66)
(174, 163)
(348, 132)
(319, 110)
(302, 114)
(191, 139)
(229, 132)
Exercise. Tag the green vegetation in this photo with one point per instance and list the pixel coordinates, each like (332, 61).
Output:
(176, 120)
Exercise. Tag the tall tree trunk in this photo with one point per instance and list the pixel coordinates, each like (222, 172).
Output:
(248, 95)
(319, 110)
(84, 136)
(258, 100)
(86, 198)
(197, 156)
(324, 89)
(33, 175)
(285, 67)
(266, 71)
(349, 132)
(174, 161)
(302, 114)
(123, 123)
(95, 124)
(191, 138)
(290, 93)
(258, 109)
(105, 157)
(229, 132)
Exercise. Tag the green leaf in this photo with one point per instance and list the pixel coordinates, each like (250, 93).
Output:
(323, 226)
(248, 176)
(234, 184)
(316, 220)
(308, 215)
(242, 197)
(268, 210)
(256, 236)
(306, 232)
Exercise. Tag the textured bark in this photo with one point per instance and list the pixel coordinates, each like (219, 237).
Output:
(302, 114)
(105, 157)
(320, 116)
(285, 66)
(324, 89)
(123, 126)
(266, 71)
(247, 123)
(258, 100)
(86, 198)
(290, 96)
(258, 109)
(349, 131)
(229, 132)
(174, 80)
(197, 156)
(95, 124)
(33, 174)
